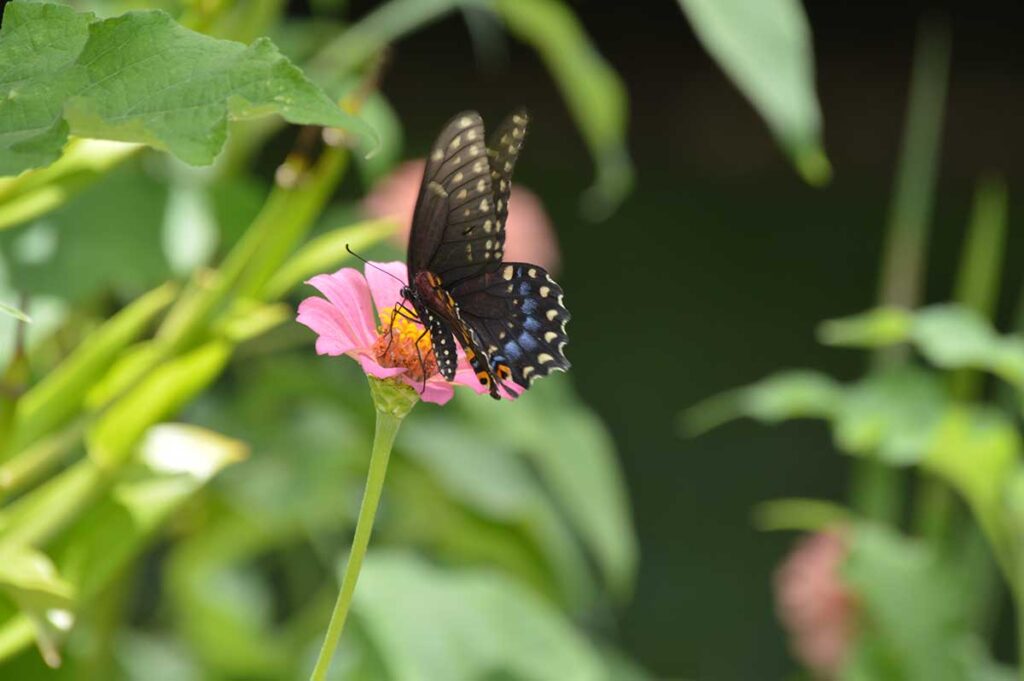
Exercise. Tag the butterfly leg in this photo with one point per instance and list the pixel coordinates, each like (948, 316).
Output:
(419, 356)
(399, 310)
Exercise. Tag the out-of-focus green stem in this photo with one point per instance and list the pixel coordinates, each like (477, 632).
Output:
(39, 191)
(54, 400)
(36, 517)
(28, 465)
(286, 217)
(910, 214)
(977, 287)
(877, 489)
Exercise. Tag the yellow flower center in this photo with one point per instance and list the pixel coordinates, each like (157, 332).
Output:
(402, 342)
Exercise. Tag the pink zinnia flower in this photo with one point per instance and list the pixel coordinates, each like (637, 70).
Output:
(345, 325)
(816, 608)
(529, 236)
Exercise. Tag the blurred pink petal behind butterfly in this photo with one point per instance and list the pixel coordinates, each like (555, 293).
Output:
(529, 236)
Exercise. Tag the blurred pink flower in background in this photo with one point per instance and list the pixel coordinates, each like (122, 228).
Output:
(816, 608)
(345, 325)
(529, 236)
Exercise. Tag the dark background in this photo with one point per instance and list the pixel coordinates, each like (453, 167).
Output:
(717, 268)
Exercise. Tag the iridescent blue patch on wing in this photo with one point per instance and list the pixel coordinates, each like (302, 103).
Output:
(513, 350)
(526, 341)
(532, 324)
(524, 288)
(529, 306)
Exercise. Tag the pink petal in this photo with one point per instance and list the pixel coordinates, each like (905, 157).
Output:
(386, 288)
(436, 391)
(347, 291)
(465, 375)
(373, 368)
(334, 334)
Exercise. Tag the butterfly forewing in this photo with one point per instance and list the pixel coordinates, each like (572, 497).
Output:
(503, 147)
(454, 230)
(518, 316)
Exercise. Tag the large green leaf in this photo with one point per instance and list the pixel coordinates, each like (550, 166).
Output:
(764, 46)
(464, 625)
(139, 77)
(494, 483)
(576, 458)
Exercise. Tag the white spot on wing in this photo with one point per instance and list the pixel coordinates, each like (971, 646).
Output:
(544, 358)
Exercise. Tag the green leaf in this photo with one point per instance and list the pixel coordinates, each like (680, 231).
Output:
(764, 46)
(875, 328)
(31, 578)
(469, 624)
(914, 625)
(811, 515)
(892, 414)
(175, 461)
(976, 450)
(139, 77)
(592, 89)
(492, 482)
(952, 337)
(787, 395)
(44, 598)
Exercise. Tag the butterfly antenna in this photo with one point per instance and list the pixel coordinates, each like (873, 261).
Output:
(370, 264)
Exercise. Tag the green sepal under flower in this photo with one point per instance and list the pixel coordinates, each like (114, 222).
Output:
(392, 397)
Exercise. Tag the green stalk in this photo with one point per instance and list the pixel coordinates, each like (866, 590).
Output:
(977, 287)
(393, 401)
(877, 488)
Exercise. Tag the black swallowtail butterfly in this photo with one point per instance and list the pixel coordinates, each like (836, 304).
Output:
(507, 316)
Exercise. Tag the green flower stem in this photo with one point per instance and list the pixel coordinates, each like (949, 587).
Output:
(877, 488)
(393, 401)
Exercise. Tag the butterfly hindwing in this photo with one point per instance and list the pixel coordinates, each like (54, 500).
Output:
(454, 229)
(518, 316)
